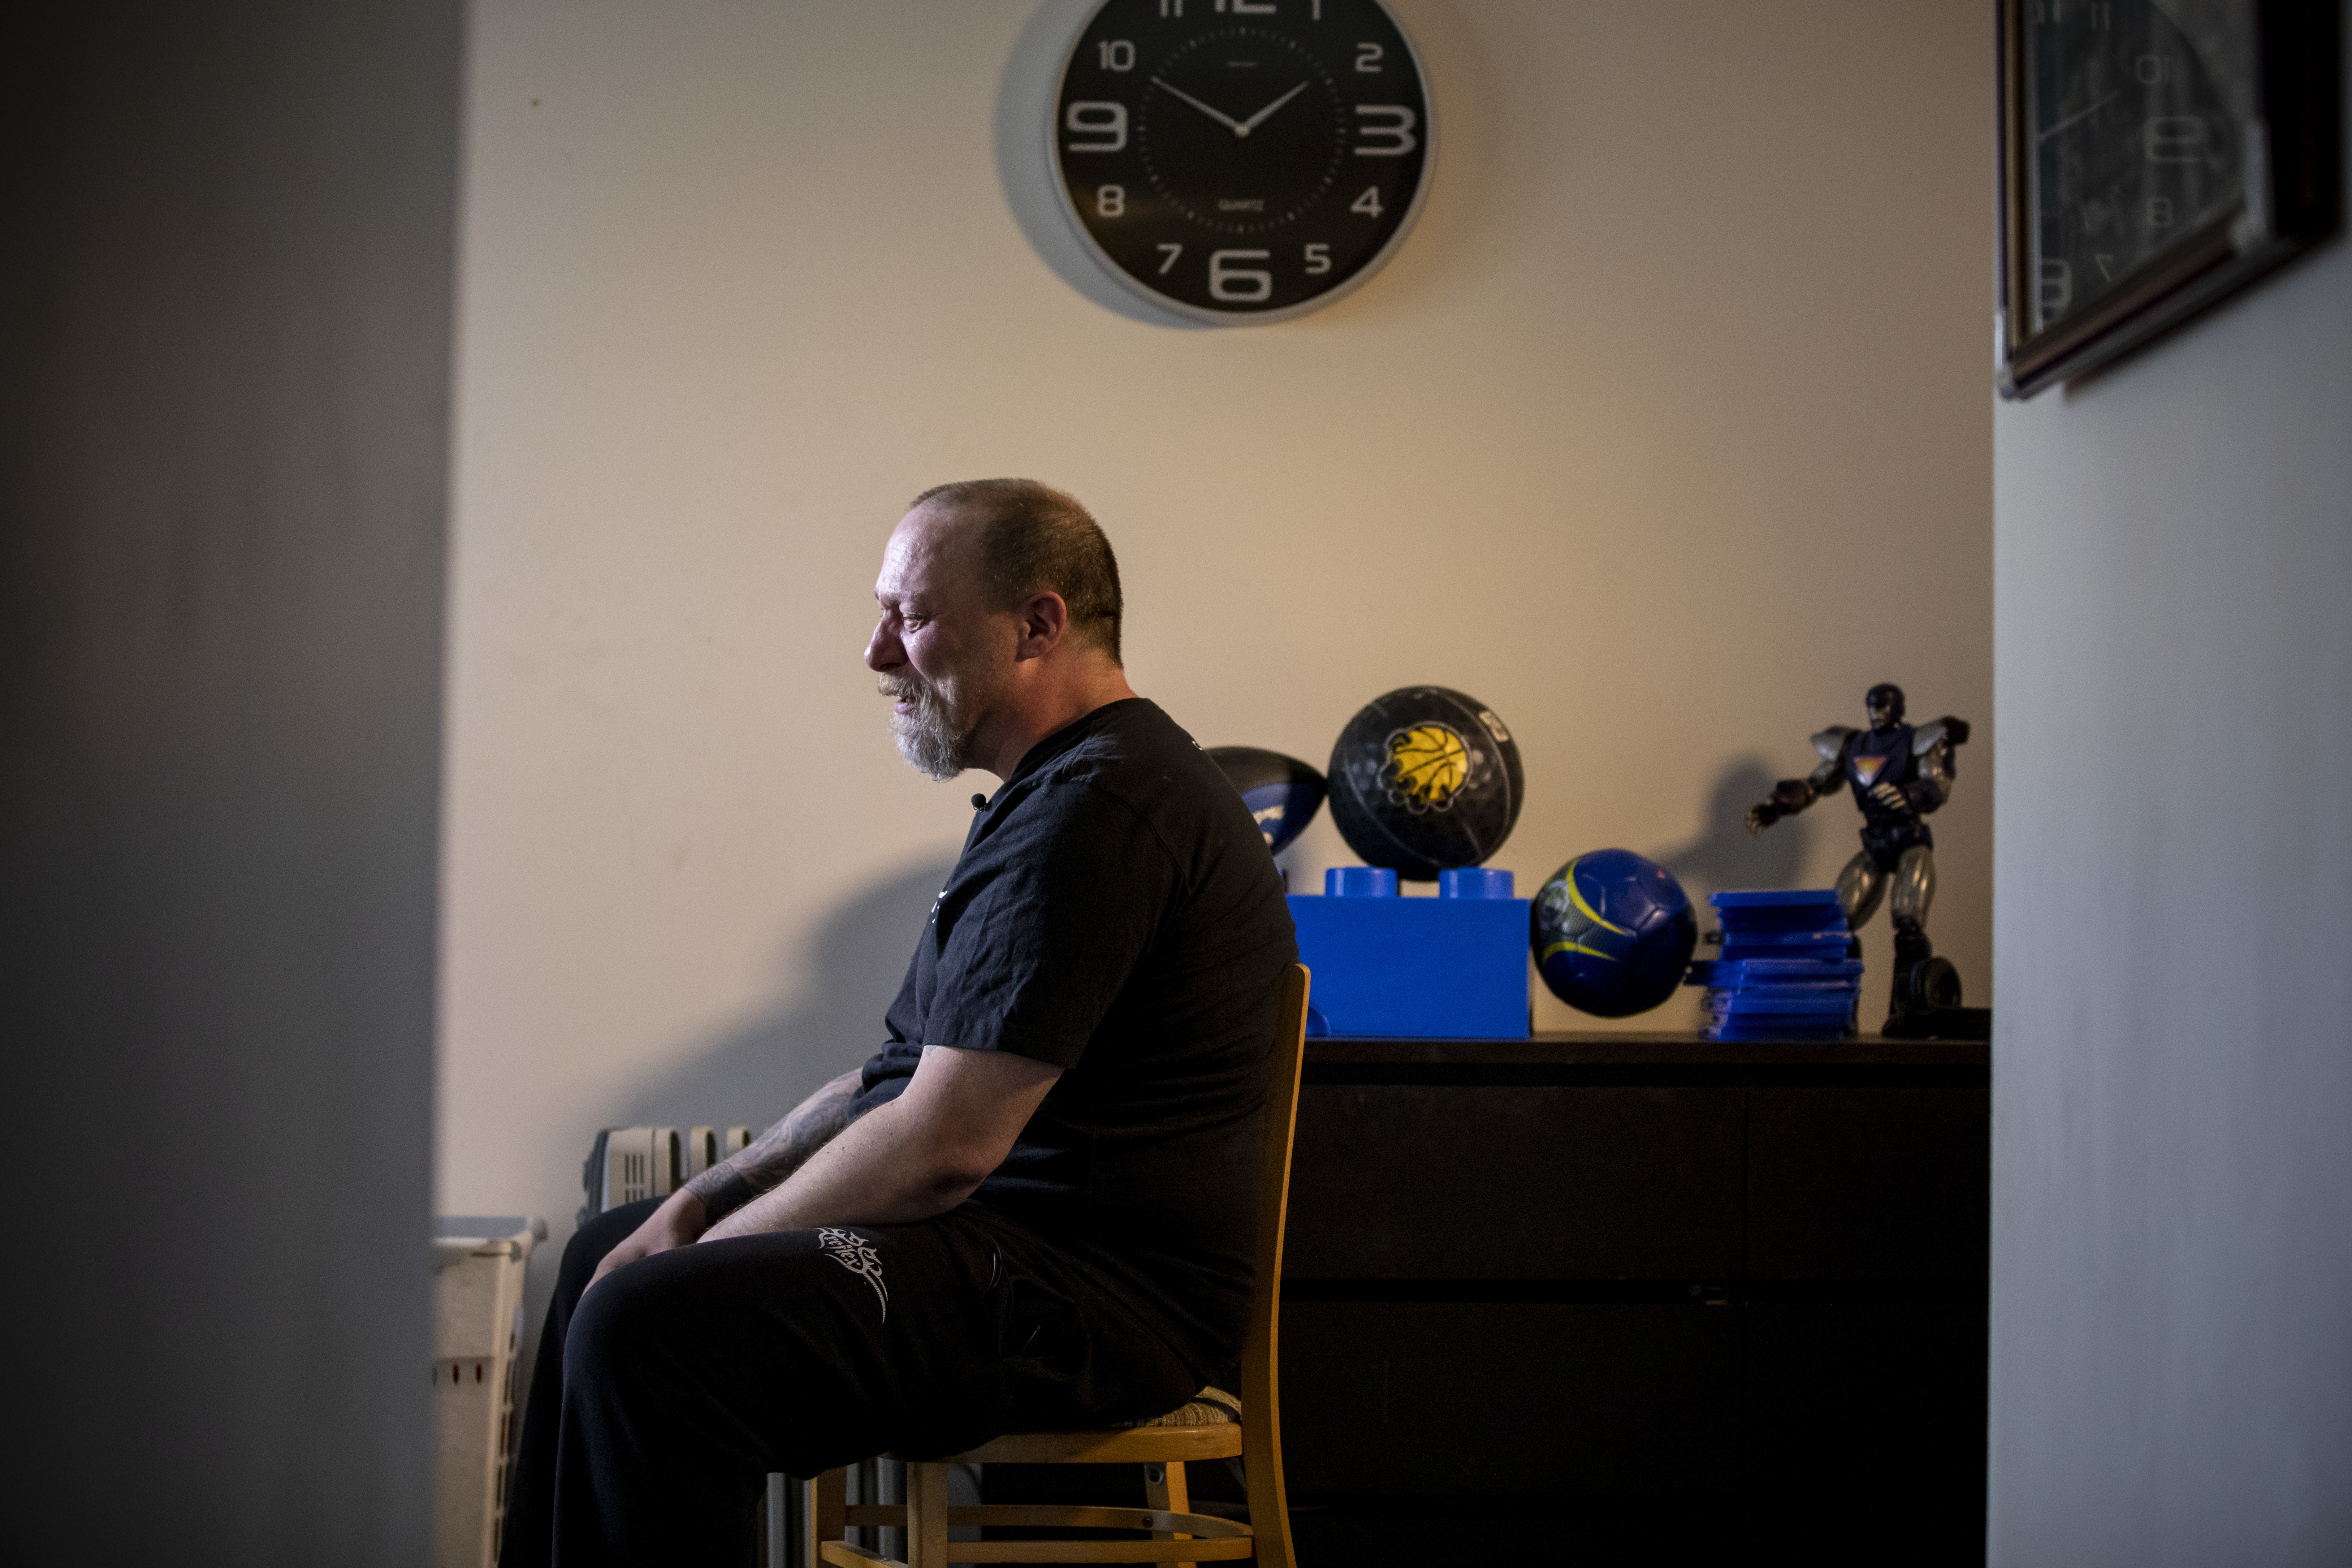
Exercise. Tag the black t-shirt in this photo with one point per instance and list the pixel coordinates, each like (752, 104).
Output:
(1115, 913)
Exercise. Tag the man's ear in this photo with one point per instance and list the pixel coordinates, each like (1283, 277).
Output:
(1044, 619)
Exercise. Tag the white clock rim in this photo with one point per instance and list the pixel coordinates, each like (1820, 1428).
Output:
(1204, 314)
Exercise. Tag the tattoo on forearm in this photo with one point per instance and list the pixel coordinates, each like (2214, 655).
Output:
(774, 1155)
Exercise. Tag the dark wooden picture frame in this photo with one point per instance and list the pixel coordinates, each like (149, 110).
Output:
(2293, 200)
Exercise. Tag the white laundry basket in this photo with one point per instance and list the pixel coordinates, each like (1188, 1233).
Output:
(479, 1263)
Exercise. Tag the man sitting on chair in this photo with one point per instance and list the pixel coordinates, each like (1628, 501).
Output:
(1035, 1208)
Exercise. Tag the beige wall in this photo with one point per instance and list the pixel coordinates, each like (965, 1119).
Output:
(1666, 434)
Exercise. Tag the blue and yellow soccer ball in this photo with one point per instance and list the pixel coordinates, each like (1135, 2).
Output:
(1612, 933)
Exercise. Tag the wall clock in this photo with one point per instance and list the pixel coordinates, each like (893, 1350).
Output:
(1242, 161)
(2155, 155)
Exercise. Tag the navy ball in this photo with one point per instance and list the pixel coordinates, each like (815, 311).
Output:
(1425, 780)
(1282, 792)
(1612, 933)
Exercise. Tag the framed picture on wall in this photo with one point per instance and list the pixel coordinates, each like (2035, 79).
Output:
(2155, 155)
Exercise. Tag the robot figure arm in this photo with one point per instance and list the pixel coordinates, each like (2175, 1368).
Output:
(1933, 745)
(1790, 796)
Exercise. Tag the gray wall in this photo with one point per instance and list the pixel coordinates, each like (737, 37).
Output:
(225, 295)
(2172, 1193)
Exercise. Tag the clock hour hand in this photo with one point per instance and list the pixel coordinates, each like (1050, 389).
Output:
(1219, 115)
(1255, 120)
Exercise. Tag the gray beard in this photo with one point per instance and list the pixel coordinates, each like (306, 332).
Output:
(926, 735)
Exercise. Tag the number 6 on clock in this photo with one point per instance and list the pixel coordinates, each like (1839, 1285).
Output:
(1242, 284)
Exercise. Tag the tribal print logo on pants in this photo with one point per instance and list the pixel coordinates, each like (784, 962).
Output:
(850, 1250)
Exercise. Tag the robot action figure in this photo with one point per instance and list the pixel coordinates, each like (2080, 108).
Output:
(1899, 773)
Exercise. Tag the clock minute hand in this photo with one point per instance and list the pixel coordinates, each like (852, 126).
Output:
(1255, 120)
(1219, 115)
(2078, 114)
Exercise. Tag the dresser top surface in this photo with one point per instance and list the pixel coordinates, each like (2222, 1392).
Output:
(1633, 1054)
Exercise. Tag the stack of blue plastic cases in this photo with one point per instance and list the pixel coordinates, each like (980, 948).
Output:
(1783, 974)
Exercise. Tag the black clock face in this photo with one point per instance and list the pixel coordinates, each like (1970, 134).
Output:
(1239, 160)
(2137, 116)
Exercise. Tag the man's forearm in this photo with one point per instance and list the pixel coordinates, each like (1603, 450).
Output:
(764, 1164)
(880, 1171)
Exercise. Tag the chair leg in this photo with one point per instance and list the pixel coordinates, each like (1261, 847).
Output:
(926, 1515)
(1166, 1491)
(830, 1491)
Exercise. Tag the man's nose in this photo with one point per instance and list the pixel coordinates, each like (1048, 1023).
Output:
(882, 649)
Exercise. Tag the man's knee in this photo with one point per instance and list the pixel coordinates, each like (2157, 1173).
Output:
(614, 1327)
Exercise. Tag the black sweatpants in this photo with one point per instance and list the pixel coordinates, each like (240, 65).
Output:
(661, 1402)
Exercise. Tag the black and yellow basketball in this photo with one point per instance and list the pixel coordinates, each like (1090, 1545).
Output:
(1425, 780)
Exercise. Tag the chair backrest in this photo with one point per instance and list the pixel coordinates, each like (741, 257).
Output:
(1261, 1410)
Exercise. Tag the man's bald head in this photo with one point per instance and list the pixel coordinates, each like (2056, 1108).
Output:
(1025, 538)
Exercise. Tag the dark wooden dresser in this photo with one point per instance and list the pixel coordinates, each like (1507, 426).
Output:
(1637, 1298)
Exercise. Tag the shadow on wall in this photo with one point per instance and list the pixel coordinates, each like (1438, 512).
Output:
(1725, 855)
(756, 1074)
(759, 1072)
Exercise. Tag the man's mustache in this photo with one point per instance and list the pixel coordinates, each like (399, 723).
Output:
(899, 689)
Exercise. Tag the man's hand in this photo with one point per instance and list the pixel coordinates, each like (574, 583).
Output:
(677, 1223)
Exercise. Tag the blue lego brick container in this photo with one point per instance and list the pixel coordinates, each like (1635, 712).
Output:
(1451, 967)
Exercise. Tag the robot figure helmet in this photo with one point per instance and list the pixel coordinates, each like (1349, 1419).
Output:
(1884, 703)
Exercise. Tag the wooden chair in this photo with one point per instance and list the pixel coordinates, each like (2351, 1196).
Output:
(1163, 1446)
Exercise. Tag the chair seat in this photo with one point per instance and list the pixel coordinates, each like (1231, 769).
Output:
(1206, 1426)
(1133, 1444)
(1213, 1407)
